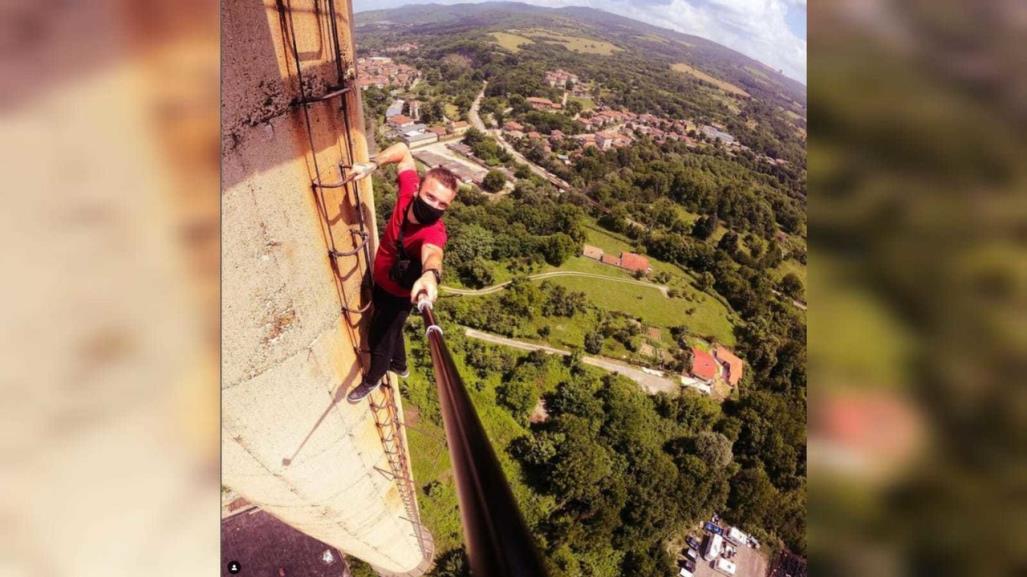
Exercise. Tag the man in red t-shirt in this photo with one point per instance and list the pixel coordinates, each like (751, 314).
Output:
(408, 261)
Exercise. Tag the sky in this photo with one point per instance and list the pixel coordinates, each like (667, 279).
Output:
(771, 31)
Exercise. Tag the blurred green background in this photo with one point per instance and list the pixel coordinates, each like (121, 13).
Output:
(917, 329)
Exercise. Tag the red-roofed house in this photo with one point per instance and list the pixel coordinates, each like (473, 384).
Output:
(400, 121)
(704, 366)
(513, 125)
(635, 262)
(610, 259)
(732, 364)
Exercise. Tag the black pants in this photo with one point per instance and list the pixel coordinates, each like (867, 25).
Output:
(386, 334)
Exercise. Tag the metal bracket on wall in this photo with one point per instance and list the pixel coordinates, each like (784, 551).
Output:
(333, 91)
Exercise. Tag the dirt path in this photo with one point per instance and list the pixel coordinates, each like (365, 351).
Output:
(652, 384)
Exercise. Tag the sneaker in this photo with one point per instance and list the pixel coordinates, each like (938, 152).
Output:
(361, 391)
(401, 371)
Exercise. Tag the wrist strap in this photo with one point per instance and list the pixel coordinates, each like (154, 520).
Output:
(438, 275)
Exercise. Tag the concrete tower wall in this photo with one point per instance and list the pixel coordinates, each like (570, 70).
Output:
(291, 444)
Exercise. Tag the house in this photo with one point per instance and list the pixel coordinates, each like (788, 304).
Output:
(439, 131)
(556, 135)
(731, 363)
(717, 134)
(559, 77)
(610, 259)
(534, 135)
(539, 103)
(413, 139)
(704, 366)
(459, 127)
(635, 262)
(604, 141)
(399, 121)
(461, 148)
(513, 125)
(592, 252)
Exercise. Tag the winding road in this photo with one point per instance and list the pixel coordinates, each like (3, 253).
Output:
(553, 274)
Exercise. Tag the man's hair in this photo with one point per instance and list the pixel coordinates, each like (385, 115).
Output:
(443, 176)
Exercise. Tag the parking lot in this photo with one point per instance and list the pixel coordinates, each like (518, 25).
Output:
(749, 562)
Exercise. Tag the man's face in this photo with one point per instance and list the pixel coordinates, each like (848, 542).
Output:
(435, 194)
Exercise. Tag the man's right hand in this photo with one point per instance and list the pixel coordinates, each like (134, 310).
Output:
(361, 170)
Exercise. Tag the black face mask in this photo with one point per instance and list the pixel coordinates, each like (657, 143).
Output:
(425, 213)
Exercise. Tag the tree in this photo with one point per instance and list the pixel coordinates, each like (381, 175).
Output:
(594, 342)
(452, 563)
(494, 181)
(476, 273)
(433, 112)
(792, 286)
(558, 248)
(729, 242)
(518, 396)
(704, 227)
(704, 281)
(713, 448)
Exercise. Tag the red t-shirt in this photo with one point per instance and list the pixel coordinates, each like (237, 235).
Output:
(414, 235)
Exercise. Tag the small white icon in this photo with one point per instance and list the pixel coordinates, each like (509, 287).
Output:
(327, 557)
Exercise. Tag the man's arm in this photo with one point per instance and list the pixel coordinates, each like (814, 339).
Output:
(397, 153)
(431, 259)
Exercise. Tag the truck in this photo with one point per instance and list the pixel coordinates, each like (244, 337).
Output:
(736, 536)
(714, 545)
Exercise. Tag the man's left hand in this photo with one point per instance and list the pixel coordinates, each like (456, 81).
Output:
(427, 285)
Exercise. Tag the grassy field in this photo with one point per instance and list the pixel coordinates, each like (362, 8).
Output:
(511, 42)
(709, 315)
(586, 103)
(705, 314)
(654, 38)
(757, 72)
(579, 44)
(452, 112)
(722, 84)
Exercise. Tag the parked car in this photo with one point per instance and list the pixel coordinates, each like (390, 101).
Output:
(716, 530)
(692, 554)
(692, 542)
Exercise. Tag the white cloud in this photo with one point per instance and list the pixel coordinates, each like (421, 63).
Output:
(756, 28)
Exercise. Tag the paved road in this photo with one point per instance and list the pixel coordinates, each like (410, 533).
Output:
(544, 275)
(472, 115)
(652, 384)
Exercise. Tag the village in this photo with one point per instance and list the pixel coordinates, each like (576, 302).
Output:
(604, 127)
